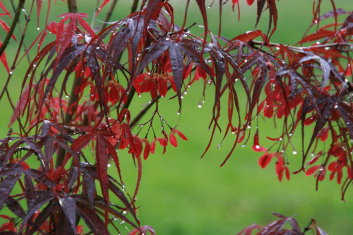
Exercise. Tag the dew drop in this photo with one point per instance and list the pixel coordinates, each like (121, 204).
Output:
(315, 21)
(109, 165)
(219, 146)
(185, 92)
(233, 132)
(38, 28)
(199, 106)
(181, 97)
(257, 146)
(201, 26)
(88, 38)
(318, 42)
(295, 152)
(124, 212)
(327, 48)
(249, 127)
(246, 61)
(243, 146)
(277, 48)
(178, 113)
(11, 72)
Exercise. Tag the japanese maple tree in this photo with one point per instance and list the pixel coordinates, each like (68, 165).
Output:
(73, 113)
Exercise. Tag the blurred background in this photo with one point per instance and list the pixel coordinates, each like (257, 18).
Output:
(183, 194)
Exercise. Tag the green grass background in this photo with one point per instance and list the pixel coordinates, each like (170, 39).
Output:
(183, 194)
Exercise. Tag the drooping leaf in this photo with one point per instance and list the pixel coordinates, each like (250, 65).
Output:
(102, 165)
(176, 60)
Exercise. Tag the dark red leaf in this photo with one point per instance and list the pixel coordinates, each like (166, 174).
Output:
(6, 187)
(176, 60)
(81, 142)
(102, 165)
(246, 37)
(92, 220)
(68, 204)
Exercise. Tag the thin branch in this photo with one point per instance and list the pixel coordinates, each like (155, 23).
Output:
(134, 6)
(143, 112)
(13, 26)
(72, 5)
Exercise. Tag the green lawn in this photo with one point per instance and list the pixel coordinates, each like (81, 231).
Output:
(183, 194)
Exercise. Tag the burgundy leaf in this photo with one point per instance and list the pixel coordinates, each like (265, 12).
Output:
(15, 207)
(81, 142)
(92, 220)
(102, 165)
(6, 187)
(176, 60)
(68, 204)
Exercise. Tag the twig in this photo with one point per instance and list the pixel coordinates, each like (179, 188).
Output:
(143, 112)
(134, 6)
